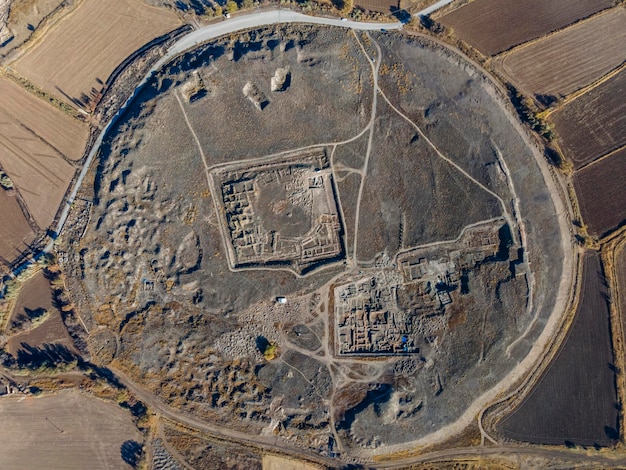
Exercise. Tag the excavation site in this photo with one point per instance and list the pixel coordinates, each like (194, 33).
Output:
(340, 238)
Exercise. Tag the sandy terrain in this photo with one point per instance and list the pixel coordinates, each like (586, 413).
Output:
(90, 42)
(64, 431)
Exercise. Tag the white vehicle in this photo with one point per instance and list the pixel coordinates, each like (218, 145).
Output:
(344, 19)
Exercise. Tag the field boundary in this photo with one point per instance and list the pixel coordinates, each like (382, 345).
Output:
(519, 47)
(43, 28)
(602, 157)
(41, 94)
(582, 91)
(609, 253)
(495, 412)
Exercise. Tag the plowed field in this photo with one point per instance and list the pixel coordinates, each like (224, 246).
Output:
(570, 59)
(15, 233)
(80, 53)
(495, 26)
(39, 173)
(595, 123)
(64, 431)
(46, 123)
(600, 191)
(575, 401)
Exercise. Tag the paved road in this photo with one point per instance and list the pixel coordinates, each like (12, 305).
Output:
(434, 7)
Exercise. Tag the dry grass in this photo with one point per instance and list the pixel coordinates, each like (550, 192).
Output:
(67, 430)
(35, 295)
(279, 462)
(570, 59)
(80, 53)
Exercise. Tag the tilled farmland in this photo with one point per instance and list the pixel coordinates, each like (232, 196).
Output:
(575, 401)
(570, 59)
(97, 36)
(594, 123)
(495, 26)
(600, 191)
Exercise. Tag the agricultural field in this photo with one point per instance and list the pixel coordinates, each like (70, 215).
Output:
(16, 235)
(569, 59)
(594, 123)
(292, 107)
(65, 135)
(38, 144)
(495, 26)
(600, 192)
(35, 321)
(575, 401)
(383, 6)
(620, 271)
(97, 36)
(67, 430)
(25, 17)
(40, 174)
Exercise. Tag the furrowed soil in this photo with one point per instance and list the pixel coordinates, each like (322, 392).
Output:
(67, 430)
(383, 6)
(575, 402)
(39, 173)
(16, 235)
(97, 36)
(595, 123)
(493, 26)
(600, 192)
(570, 59)
(46, 123)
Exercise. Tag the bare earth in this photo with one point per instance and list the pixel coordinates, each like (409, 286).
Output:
(61, 132)
(64, 431)
(89, 43)
(14, 237)
(572, 58)
(493, 26)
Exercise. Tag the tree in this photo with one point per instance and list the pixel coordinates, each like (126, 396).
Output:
(231, 6)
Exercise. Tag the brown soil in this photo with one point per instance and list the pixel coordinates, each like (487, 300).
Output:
(65, 430)
(97, 36)
(575, 401)
(495, 26)
(35, 300)
(570, 59)
(66, 135)
(594, 123)
(15, 233)
(600, 191)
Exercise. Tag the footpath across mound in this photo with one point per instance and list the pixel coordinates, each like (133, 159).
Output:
(362, 217)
